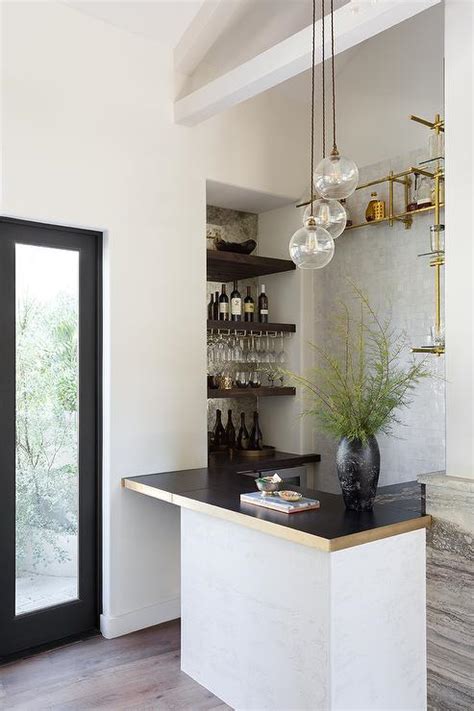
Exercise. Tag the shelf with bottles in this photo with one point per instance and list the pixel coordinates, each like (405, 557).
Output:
(261, 391)
(231, 266)
(241, 314)
(245, 328)
(240, 437)
(413, 206)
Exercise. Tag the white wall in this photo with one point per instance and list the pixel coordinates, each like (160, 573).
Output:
(459, 52)
(394, 74)
(291, 301)
(89, 139)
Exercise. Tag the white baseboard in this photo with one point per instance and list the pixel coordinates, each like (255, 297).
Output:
(111, 627)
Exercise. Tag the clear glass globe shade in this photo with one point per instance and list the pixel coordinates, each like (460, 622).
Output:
(311, 247)
(336, 177)
(329, 214)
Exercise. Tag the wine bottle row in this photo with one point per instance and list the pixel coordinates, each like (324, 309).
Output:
(227, 437)
(221, 308)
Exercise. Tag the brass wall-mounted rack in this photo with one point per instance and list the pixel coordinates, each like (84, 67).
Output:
(392, 179)
(437, 256)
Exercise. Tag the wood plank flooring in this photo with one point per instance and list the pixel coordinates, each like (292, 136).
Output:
(137, 672)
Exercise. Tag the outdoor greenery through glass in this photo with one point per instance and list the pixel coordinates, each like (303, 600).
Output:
(46, 410)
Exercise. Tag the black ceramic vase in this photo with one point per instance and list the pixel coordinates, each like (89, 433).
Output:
(358, 469)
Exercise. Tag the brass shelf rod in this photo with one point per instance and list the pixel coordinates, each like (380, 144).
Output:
(400, 216)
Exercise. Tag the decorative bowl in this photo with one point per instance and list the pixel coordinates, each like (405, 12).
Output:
(290, 495)
(266, 485)
(246, 247)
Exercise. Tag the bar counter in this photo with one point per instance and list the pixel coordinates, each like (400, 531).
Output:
(317, 610)
(217, 493)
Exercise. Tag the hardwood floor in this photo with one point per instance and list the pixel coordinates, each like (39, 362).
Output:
(138, 672)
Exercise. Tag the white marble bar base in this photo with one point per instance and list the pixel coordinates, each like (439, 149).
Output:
(272, 624)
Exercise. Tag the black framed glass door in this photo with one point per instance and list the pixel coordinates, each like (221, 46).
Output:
(49, 433)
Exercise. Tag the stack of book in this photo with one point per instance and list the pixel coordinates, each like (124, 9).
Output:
(277, 504)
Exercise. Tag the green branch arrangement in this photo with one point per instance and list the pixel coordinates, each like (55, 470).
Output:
(358, 389)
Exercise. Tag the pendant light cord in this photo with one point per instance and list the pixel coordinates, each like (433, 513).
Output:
(323, 79)
(334, 144)
(313, 50)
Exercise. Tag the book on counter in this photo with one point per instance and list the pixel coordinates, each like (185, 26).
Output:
(277, 504)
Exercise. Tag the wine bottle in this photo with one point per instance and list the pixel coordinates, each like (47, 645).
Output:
(249, 305)
(230, 431)
(235, 304)
(243, 436)
(218, 433)
(223, 305)
(210, 308)
(263, 306)
(215, 314)
(256, 436)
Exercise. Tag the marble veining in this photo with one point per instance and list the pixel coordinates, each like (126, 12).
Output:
(450, 596)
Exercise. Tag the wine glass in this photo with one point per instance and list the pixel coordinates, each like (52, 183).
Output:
(281, 360)
(252, 355)
(237, 351)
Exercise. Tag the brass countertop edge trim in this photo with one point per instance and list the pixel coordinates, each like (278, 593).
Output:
(307, 539)
(146, 490)
(310, 540)
(378, 534)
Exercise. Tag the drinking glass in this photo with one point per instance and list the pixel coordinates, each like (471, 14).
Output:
(242, 379)
(255, 379)
(437, 336)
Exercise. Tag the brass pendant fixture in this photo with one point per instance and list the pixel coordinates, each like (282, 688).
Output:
(336, 177)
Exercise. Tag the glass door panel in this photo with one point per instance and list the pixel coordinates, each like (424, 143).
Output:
(50, 443)
(47, 377)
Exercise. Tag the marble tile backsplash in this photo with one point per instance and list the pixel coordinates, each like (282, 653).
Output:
(383, 262)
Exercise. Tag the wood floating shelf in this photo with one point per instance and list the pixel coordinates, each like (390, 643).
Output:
(232, 266)
(250, 327)
(400, 217)
(251, 392)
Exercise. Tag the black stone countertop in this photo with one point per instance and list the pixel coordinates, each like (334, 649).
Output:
(238, 462)
(330, 528)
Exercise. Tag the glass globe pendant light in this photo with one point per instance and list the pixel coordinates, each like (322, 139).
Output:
(312, 246)
(329, 214)
(336, 177)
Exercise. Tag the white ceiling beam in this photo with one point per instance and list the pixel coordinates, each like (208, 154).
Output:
(355, 22)
(211, 20)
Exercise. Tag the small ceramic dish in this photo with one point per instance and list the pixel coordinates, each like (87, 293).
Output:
(290, 495)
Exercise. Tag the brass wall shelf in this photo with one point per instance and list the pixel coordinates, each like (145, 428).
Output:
(401, 217)
(435, 350)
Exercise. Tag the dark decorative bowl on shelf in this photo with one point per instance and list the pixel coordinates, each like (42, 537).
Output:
(266, 451)
(246, 247)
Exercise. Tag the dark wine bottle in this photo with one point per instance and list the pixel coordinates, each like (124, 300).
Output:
(210, 308)
(235, 304)
(243, 436)
(263, 306)
(256, 436)
(249, 306)
(223, 305)
(218, 433)
(230, 431)
(215, 314)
